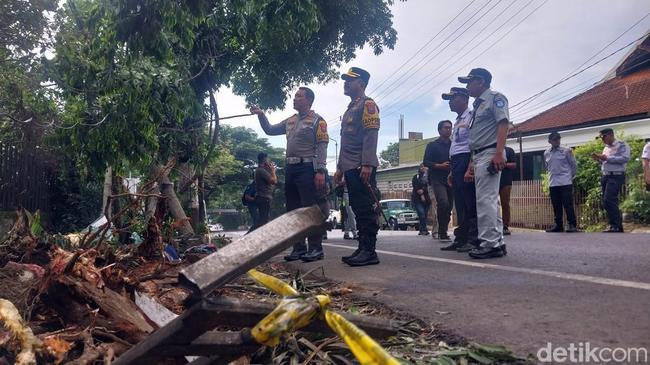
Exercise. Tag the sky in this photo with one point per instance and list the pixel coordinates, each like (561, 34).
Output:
(527, 45)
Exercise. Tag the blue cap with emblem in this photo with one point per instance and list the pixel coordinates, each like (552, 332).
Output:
(455, 91)
(480, 73)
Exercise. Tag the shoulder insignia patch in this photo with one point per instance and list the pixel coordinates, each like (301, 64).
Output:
(370, 115)
(321, 132)
(499, 103)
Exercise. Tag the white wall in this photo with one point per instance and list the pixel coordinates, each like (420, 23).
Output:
(578, 137)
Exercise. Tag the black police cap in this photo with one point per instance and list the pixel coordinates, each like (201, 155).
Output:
(356, 73)
(455, 91)
(477, 72)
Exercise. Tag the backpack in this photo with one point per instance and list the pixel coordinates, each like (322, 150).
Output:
(250, 191)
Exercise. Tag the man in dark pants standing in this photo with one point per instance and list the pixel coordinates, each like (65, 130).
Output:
(358, 163)
(420, 198)
(465, 234)
(436, 158)
(562, 167)
(505, 188)
(613, 160)
(307, 140)
(265, 180)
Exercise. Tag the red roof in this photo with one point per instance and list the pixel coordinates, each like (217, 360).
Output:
(619, 97)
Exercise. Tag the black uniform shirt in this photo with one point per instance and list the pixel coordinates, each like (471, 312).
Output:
(435, 153)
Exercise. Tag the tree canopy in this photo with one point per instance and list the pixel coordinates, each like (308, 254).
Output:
(134, 75)
(390, 156)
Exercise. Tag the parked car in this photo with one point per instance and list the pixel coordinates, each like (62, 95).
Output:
(215, 227)
(399, 214)
(334, 219)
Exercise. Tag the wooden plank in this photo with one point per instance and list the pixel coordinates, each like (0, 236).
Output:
(237, 258)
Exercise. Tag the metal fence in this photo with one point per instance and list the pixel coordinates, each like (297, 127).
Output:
(25, 178)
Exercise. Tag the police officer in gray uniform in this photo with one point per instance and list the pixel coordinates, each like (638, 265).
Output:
(561, 166)
(358, 163)
(307, 140)
(612, 161)
(487, 135)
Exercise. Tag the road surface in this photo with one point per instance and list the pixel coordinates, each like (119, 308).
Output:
(560, 288)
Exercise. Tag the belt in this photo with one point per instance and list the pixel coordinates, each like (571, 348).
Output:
(479, 150)
(297, 160)
(610, 173)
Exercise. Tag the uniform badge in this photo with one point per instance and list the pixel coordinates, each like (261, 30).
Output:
(321, 132)
(500, 103)
(370, 115)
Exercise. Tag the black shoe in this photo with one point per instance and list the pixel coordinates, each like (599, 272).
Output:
(453, 247)
(486, 253)
(346, 236)
(294, 255)
(466, 248)
(503, 249)
(426, 233)
(571, 229)
(555, 229)
(346, 258)
(444, 237)
(363, 258)
(612, 229)
(506, 231)
(313, 256)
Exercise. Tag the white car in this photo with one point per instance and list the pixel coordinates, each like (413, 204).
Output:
(215, 227)
(334, 218)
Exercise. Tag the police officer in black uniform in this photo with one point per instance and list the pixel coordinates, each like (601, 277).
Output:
(358, 163)
(307, 140)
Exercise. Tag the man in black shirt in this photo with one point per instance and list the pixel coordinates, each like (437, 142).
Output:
(505, 187)
(420, 198)
(436, 159)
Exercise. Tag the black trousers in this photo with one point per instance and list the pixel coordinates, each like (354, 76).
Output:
(363, 206)
(562, 197)
(465, 197)
(300, 191)
(611, 187)
(263, 210)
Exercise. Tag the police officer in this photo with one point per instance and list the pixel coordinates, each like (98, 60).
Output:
(488, 132)
(612, 161)
(307, 140)
(562, 168)
(358, 163)
(465, 235)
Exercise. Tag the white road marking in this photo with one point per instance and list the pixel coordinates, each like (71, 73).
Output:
(553, 274)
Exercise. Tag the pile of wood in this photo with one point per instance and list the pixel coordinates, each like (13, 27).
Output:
(78, 303)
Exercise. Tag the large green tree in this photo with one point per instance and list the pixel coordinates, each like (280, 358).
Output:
(134, 75)
(389, 157)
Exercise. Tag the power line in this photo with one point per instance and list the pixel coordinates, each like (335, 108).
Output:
(594, 56)
(426, 80)
(563, 80)
(421, 48)
(408, 72)
(488, 48)
(611, 90)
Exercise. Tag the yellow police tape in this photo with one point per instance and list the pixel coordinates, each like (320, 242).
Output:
(295, 311)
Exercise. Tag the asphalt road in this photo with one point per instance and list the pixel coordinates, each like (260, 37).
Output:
(559, 288)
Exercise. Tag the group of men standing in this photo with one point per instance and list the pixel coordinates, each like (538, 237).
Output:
(465, 164)
(306, 152)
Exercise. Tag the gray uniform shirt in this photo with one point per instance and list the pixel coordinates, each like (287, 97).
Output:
(618, 154)
(489, 109)
(561, 165)
(460, 134)
(359, 132)
(306, 136)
